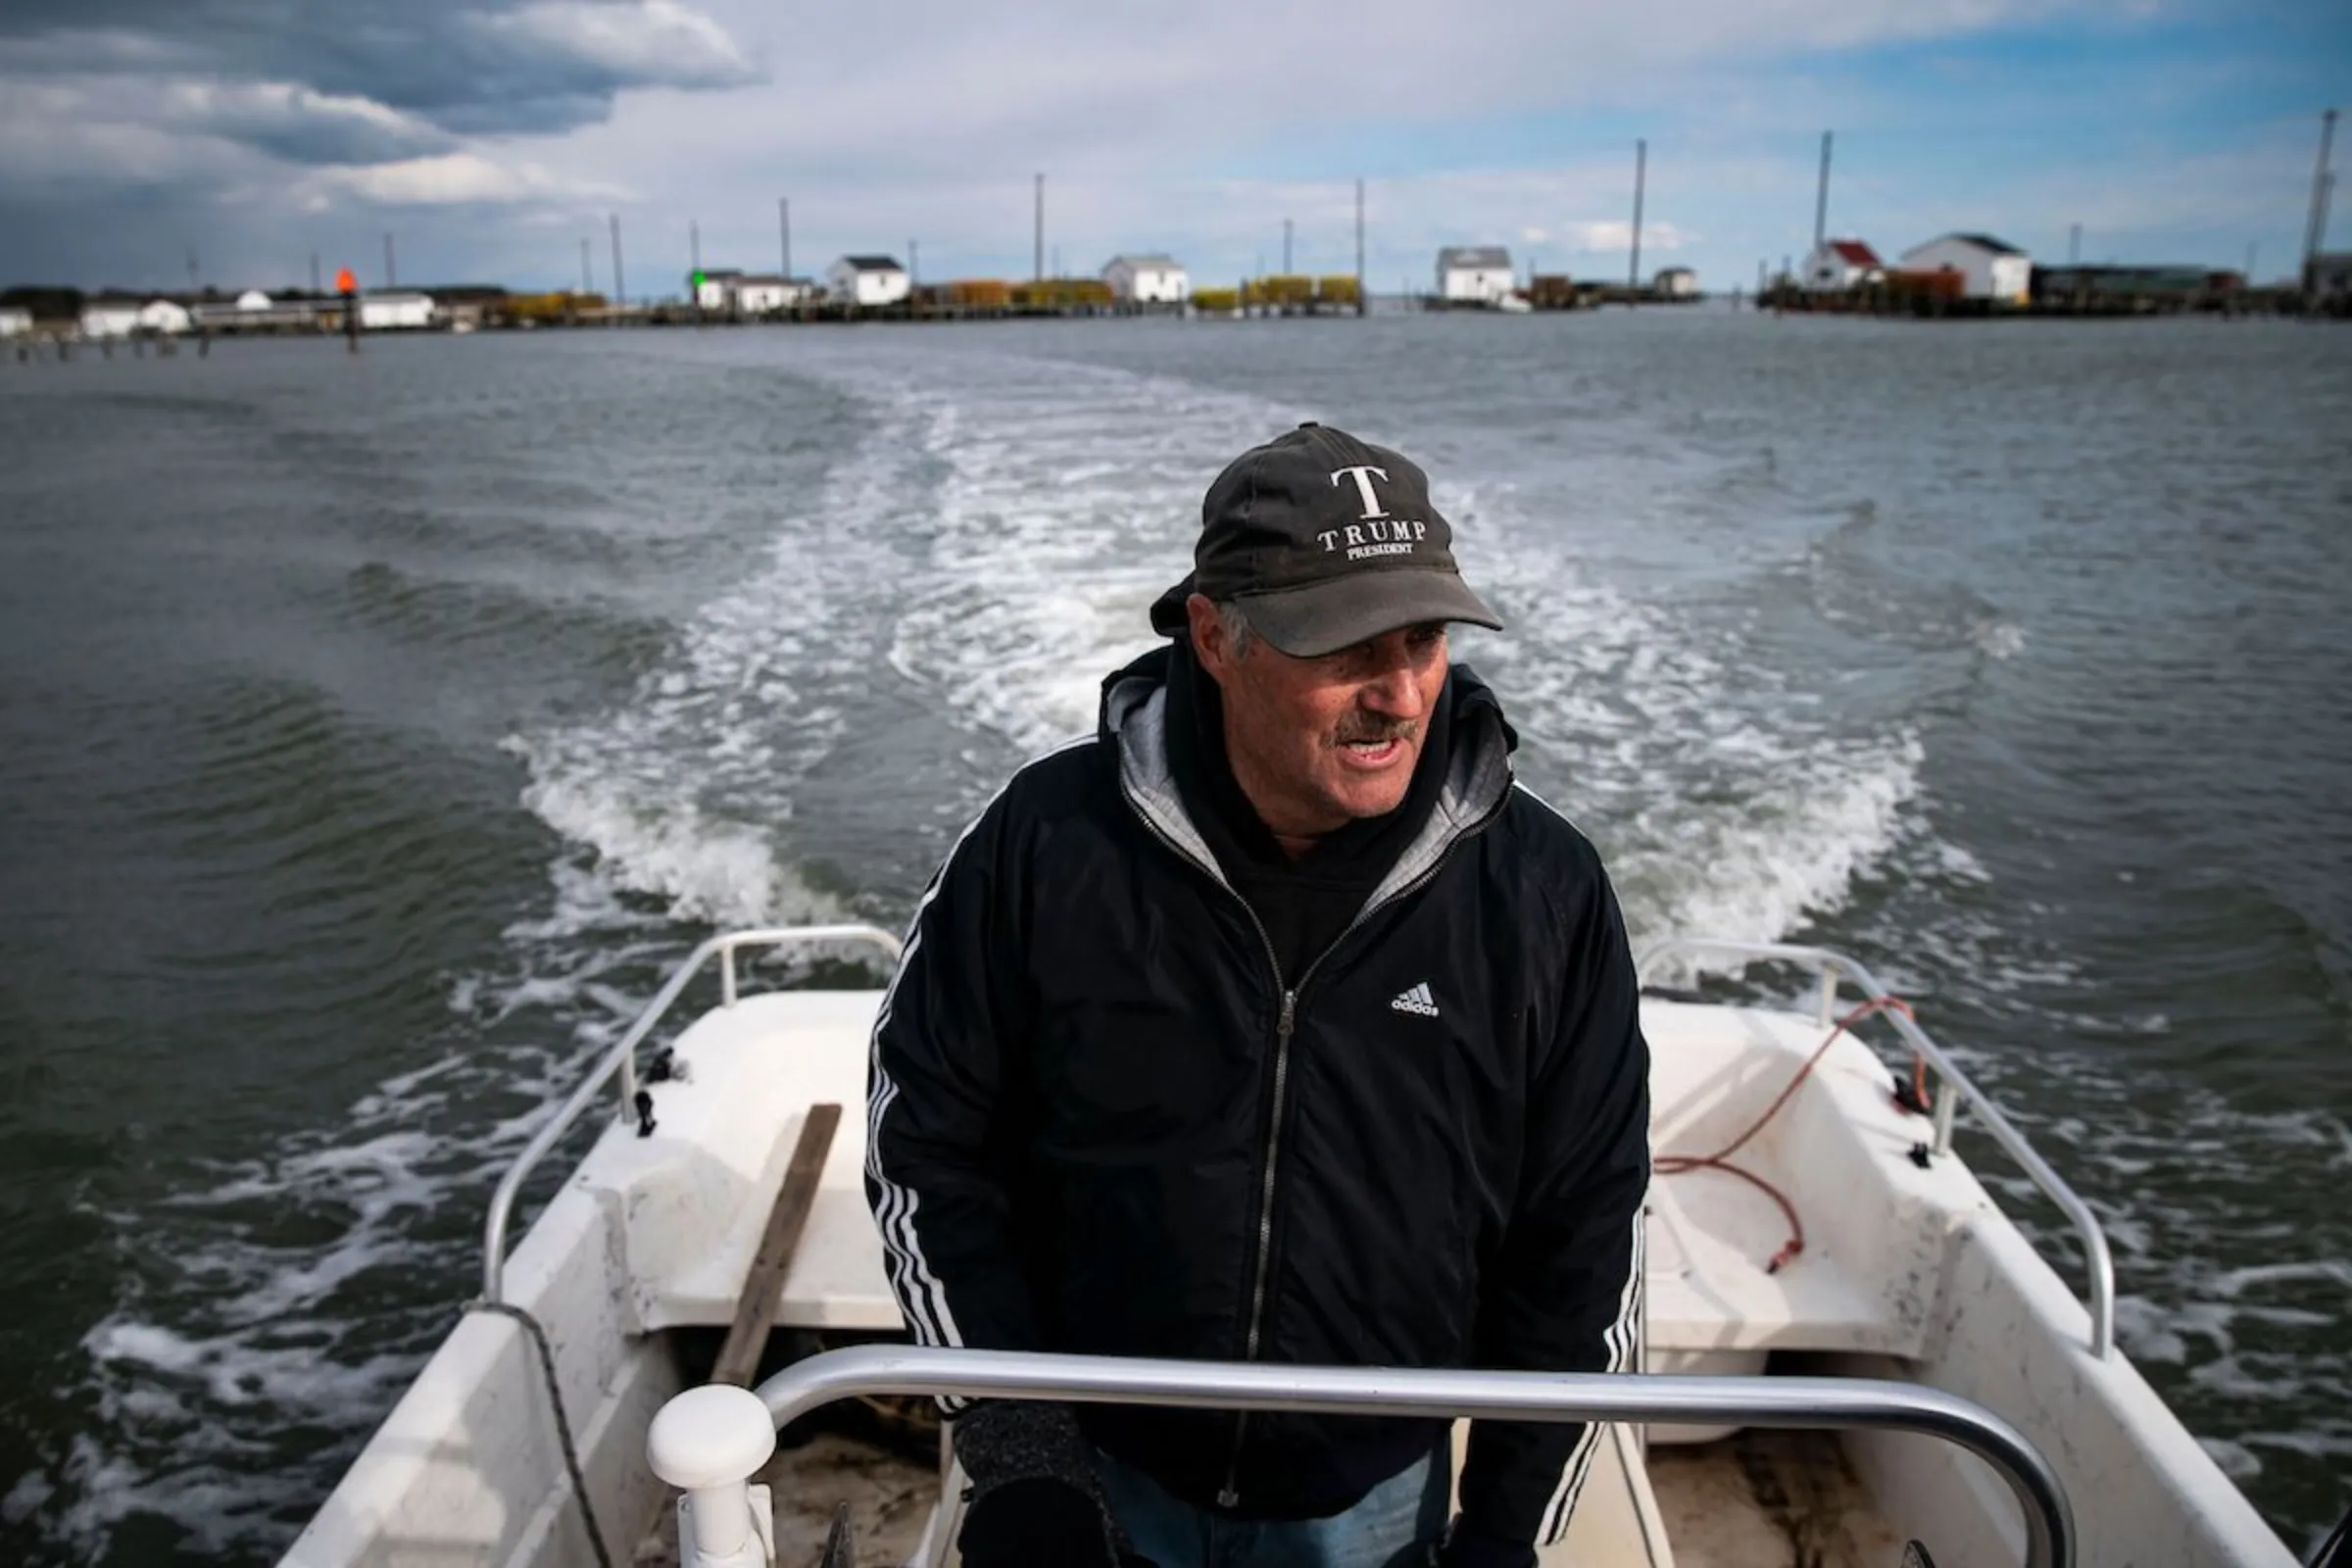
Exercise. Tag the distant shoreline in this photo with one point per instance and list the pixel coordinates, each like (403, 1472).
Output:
(61, 339)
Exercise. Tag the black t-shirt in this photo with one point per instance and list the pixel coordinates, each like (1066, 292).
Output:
(1305, 904)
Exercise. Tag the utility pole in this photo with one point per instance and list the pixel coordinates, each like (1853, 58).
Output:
(620, 294)
(1821, 197)
(1285, 247)
(391, 271)
(2315, 232)
(784, 230)
(587, 277)
(1633, 271)
(2074, 244)
(1038, 275)
(1361, 303)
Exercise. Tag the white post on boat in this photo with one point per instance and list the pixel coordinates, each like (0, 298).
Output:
(708, 1443)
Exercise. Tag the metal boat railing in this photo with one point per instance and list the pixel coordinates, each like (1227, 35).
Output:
(1833, 968)
(709, 1439)
(621, 1061)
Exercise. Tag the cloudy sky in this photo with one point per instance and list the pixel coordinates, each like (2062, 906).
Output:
(141, 138)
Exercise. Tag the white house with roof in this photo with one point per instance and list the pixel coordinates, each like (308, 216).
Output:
(1838, 264)
(756, 294)
(1474, 274)
(110, 318)
(1993, 269)
(866, 282)
(167, 317)
(1675, 283)
(14, 320)
(396, 310)
(128, 317)
(713, 287)
(1148, 279)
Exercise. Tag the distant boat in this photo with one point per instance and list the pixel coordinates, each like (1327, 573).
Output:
(1513, 305)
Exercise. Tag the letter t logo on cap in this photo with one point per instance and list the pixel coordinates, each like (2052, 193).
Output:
(1362, 476)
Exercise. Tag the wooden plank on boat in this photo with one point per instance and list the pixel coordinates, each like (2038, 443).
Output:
(763, 1287)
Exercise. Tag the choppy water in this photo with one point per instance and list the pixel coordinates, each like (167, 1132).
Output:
(372, 734)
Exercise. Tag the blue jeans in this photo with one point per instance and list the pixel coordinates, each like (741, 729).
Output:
(1400, 1524)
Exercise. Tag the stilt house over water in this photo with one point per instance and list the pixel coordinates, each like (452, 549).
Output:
(868, 281)
(1838, 264)
(1148, 279)
(1474, 274)
(1988, 269)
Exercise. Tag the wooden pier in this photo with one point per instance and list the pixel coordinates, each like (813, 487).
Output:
(2072, 292)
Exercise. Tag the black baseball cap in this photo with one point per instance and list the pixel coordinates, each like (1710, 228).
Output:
(1325, 541)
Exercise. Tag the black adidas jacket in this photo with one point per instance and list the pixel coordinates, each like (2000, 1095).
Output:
(1098, 1124)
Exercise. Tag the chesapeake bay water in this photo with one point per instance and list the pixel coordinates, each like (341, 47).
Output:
(373, 734)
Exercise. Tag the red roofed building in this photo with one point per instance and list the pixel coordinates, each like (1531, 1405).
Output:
(1838, 264)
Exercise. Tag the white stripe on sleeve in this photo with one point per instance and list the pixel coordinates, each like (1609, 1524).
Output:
(922, 1299)
(1624, 1340)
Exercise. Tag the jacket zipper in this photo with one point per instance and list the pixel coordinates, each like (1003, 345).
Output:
(1230, 1496)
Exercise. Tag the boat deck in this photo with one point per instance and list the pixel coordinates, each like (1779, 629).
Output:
(1759, 1499)
(1769, 1499)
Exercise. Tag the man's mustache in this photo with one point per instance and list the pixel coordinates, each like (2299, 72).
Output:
(1365, 729)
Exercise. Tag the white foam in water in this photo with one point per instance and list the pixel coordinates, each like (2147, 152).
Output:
(1071, 500)
(1727, 804)
(997, 544)
(1999, 639)
(713, 872)
(257, 1343)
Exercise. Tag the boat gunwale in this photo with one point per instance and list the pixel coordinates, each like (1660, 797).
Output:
(620, 1061)
(1832, 967)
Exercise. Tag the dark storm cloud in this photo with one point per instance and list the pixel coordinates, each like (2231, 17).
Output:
(301, 126)
(465, 67)
(135, 132)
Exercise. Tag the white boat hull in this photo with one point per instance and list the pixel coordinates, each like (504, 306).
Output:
(1908, 1273)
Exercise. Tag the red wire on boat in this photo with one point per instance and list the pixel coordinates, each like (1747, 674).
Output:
(1719, 1160)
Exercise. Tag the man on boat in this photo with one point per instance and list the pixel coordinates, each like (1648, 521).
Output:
(1272, 1023)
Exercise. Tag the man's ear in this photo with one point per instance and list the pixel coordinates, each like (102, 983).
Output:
(1210, 645)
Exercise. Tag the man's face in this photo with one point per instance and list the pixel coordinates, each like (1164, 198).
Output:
(1317, 743)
